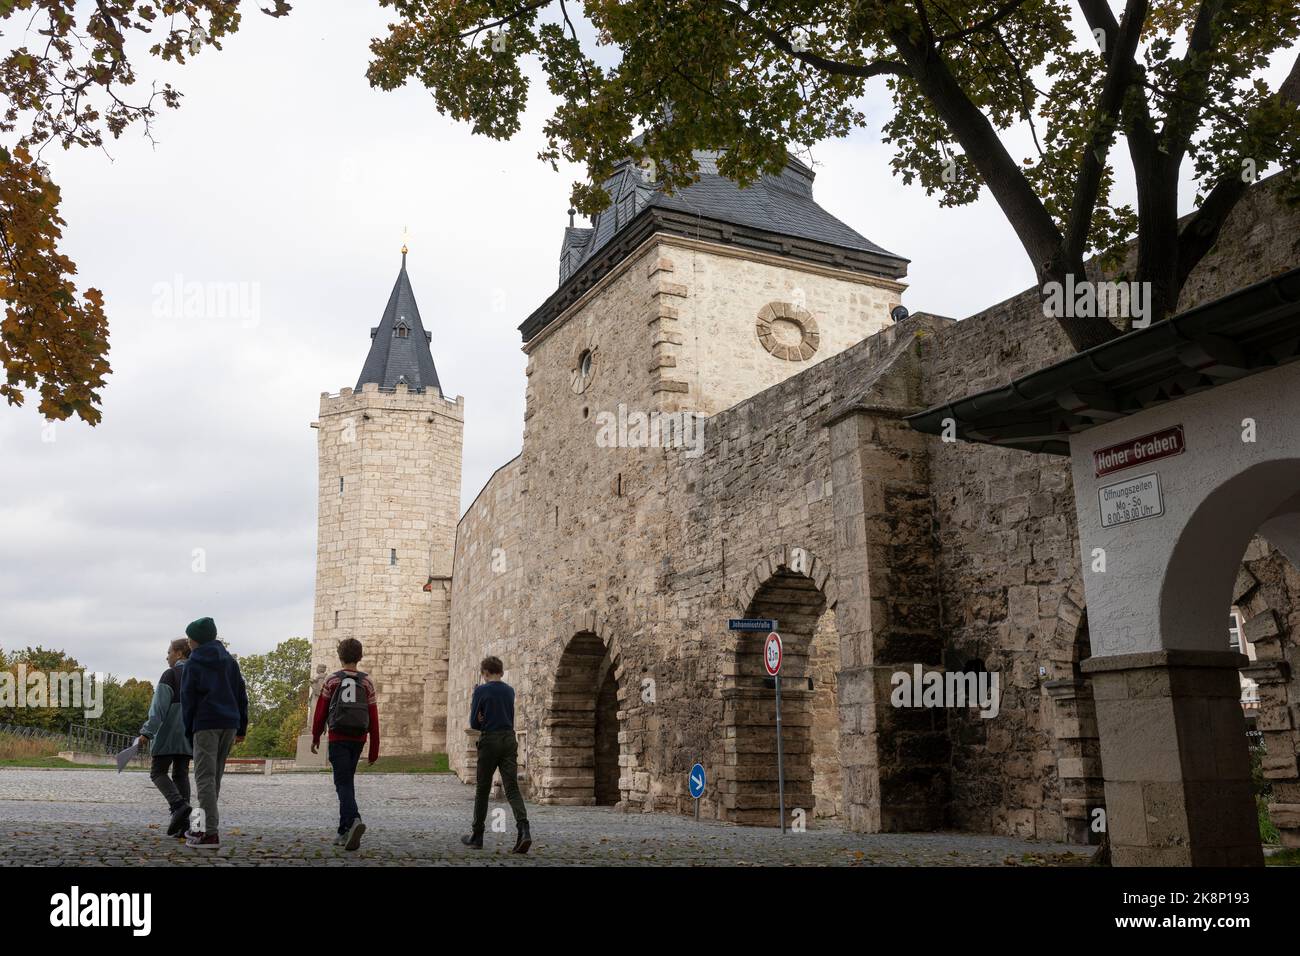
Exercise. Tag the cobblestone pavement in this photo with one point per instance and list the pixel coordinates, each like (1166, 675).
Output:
(92, 817)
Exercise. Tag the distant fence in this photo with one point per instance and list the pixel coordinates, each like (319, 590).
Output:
(92, 740)
(32, 733)
(79, 737)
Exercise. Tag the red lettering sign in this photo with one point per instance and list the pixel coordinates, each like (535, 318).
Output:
(1139, 451)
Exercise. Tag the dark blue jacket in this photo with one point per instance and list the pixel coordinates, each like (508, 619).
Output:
(213, 696)
(492, 707)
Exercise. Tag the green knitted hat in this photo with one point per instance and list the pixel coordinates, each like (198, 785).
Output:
(202, 630)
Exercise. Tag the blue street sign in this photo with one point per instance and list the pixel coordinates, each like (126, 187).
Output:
(751, 624)
(697, 781)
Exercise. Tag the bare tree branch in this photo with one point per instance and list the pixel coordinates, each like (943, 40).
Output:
(1115, 87)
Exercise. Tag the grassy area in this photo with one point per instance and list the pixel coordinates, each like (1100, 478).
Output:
(412, 763)
(29, 752)
(1283, 858)
(56, 763)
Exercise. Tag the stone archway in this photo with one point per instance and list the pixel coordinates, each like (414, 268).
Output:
(790, 586)
(1074, 721)
(1178, 780)
(1264, 605)
(580, 728)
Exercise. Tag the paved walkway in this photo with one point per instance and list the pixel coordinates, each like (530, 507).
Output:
(93, 817)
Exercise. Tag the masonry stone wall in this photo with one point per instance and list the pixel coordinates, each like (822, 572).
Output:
(812, 502)
(1009, 554)
(600, 541)
(384, 534)
(487, 580)
(724, 294)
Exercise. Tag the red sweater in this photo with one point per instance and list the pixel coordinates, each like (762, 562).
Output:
(323, 708)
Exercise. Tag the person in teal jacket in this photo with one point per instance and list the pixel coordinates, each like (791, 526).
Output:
(165, 732)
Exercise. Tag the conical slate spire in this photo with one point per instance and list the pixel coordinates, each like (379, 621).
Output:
(399, 350)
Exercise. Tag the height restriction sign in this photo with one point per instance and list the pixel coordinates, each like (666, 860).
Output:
(772, 654)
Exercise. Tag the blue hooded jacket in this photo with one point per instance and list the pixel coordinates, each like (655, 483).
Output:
(213, 696)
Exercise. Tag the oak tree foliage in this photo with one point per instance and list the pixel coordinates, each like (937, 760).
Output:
(68, 80)
(1027, 98)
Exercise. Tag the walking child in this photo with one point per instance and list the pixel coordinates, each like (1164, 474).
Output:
(348, 706)
(492, 711)
(164, 731)
(214, 708)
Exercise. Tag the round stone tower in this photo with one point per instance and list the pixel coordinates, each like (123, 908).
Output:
(389, 496)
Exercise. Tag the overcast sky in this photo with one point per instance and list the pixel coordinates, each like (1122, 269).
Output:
(284, 173)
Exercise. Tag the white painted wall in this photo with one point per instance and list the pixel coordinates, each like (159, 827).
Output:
(1168, 578)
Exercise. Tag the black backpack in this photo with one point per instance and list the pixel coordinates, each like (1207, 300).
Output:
(349, 712)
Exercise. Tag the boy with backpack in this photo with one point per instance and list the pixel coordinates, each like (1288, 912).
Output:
(348, 705)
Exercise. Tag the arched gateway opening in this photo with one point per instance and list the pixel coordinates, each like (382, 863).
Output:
(809, 711)
(580, 766)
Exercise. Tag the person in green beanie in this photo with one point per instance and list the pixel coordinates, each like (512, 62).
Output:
(214, 708)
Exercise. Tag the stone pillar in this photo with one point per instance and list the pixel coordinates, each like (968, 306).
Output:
(1276, 724)
(1173, 751)
(895, 761)
(1078, 764)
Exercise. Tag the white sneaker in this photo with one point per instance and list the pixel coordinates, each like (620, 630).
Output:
(354, 835)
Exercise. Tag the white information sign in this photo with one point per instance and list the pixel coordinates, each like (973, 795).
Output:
(1130, 500)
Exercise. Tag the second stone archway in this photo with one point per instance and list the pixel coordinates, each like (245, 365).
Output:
(791, 587)
(580, 730)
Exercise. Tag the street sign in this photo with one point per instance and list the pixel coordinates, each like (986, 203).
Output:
(772, 654)
(1138, 451)
(751, 624)
(697, 781)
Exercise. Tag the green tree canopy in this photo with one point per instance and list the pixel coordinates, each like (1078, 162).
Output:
(279, 682)
(47, 662)
(126, 706)
(1178, 80)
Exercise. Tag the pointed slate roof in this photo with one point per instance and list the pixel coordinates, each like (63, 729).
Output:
(776, 214)
(399, 348)
(781, 204)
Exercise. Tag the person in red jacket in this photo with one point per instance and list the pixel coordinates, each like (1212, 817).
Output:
(349, 706)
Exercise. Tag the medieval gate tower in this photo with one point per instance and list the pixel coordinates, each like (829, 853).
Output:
(390, 455)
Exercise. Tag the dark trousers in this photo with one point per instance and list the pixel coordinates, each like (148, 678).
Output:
(497, 750)
(175, 788)
(344, 757)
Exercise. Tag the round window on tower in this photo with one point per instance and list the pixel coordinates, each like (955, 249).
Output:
(584, 368)
(787, 331)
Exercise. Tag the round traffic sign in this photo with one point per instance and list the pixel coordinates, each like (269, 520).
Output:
(696, 781)
(772, 654)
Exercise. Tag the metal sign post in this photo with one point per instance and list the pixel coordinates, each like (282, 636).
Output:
(772, 655)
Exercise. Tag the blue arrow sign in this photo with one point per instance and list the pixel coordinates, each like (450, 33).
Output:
(751, 624)
(697, 781)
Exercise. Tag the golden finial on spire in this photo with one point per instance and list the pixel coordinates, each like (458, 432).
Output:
(406, 237)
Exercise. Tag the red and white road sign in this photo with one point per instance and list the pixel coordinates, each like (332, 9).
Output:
(772, 654)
